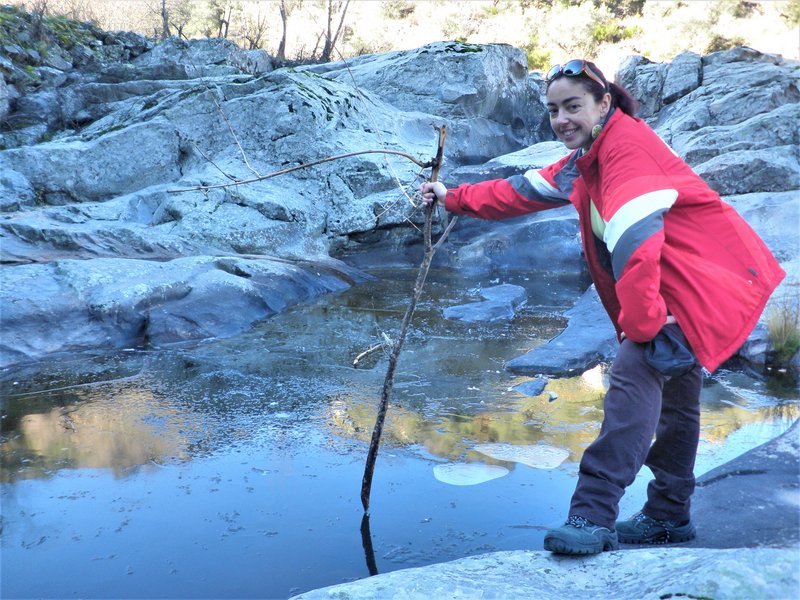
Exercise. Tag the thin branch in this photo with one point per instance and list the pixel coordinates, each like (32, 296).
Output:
(215, 165)
(424, 165)
(233, 133)
(388, 383)
(367, 352)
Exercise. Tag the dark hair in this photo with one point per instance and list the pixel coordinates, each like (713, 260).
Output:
(620, 97)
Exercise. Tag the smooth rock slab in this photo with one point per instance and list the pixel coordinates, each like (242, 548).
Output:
(627, 574)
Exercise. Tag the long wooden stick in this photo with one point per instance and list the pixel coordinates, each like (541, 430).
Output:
(388, 382)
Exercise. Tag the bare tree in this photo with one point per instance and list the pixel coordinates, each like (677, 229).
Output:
(38, 9)
(218, 19)
(165, 32)
(253, 29)
(334, 8)
(181, 12)
(286, 7)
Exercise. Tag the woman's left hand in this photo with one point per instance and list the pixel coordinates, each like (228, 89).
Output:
(670, 321)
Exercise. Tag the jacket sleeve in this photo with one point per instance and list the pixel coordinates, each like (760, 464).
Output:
(637, 193)
(503, 198)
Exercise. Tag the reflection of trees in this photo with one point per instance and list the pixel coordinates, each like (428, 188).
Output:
(571, 421)
(101, 427)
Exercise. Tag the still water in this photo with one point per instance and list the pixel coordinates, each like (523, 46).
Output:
(232, 468)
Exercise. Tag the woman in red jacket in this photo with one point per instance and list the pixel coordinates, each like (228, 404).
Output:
(683, 277)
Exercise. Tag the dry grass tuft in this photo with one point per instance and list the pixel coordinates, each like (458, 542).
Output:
(783, 324)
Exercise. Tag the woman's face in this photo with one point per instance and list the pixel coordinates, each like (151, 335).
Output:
(574, 111)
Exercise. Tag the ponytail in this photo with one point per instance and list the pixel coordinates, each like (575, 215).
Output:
(622, 99)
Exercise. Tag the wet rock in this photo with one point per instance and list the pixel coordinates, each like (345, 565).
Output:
(500, 304)
(588, 340)
(533, 387)
(480, 312)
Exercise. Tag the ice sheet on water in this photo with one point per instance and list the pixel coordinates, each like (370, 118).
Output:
(467, 473)
(538, 456)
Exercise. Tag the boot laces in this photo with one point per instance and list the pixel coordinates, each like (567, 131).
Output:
(577, 521)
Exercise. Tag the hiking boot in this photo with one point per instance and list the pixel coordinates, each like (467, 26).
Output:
(641, 529)
(580, 536)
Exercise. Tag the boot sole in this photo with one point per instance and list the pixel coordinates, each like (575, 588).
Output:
(559, 546)
(659, 538)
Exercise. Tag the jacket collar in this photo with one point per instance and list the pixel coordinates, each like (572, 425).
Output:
(612, 118)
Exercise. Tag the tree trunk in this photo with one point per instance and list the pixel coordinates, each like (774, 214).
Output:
(165, 32)
(330, 37)
(281, 56)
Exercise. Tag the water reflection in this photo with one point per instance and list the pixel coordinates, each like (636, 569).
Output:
(119, 426)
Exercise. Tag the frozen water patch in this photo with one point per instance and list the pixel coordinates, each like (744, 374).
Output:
(468, 473)
(538, 456)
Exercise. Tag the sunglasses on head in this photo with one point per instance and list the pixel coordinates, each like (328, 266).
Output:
(572, 69)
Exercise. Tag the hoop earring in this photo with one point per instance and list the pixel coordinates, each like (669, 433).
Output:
(596, 131)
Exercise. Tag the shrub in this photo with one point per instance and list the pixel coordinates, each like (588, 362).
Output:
(720, 42)
(612, 31)
(790, 12)
(783, 326)
(396, 9)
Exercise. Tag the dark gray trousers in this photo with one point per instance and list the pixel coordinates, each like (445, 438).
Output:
(640, 403)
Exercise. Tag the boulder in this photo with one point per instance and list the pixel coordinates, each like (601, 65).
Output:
(72, 306)
(16, 191)
(484, 90)
(117, 163)
(5, 98)
(683, 75)
(774, 169)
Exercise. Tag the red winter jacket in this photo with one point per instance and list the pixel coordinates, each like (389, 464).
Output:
(670, 244)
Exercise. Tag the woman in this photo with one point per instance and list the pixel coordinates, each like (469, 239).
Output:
(682, 276)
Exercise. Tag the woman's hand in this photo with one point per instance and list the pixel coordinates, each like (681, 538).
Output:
(431, 192)
(670, 321)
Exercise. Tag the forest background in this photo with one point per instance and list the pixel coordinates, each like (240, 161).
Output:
(549, 31)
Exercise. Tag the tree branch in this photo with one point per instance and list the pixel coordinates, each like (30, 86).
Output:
(416, 161)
